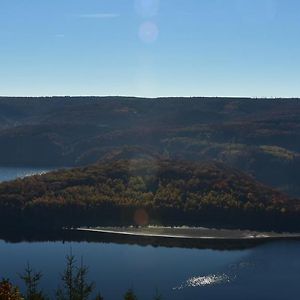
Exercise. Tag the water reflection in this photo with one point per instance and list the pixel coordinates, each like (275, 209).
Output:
(16, 236)
(265, 272)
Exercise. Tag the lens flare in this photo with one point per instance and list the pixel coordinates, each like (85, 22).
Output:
(147, 8)
(141, 217)
(148, 32)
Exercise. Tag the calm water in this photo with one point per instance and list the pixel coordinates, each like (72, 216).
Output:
(271, 271)
(267, 272)
(7, 173)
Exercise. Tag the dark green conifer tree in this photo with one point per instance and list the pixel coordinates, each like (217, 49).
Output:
(32, 280)
(130, 295)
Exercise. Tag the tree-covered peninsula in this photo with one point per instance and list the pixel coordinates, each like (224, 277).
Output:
(141, 192)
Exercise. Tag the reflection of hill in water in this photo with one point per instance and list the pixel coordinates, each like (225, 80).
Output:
(96, 237)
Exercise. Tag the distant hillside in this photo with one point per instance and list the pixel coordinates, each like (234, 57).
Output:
(258, 136)
(146, 191)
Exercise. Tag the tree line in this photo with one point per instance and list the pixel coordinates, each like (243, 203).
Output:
(74, 285)
(169, 192)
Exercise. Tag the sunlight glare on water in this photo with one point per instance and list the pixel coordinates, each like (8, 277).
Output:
(198, 281)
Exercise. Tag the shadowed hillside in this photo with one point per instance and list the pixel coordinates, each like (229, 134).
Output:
(260, 137)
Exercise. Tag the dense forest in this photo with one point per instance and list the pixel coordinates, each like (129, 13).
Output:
(126, 192)
(258, 136)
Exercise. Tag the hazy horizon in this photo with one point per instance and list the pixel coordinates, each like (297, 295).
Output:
(149, 97)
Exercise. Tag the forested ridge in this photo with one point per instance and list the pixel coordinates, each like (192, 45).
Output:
(139, 192)
(150, 160)
(258, 136)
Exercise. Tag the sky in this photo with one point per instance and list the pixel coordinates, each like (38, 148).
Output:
(150, 48)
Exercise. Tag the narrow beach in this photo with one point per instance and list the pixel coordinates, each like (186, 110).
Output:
(192, 233)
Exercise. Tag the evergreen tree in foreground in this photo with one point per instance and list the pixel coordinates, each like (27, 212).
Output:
(32, 280)
(75, 285)
(75, 282)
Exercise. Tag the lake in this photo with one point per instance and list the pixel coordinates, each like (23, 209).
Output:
(269, 271)
(9, 173)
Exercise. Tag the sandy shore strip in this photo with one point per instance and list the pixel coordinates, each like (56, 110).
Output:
(191, 233)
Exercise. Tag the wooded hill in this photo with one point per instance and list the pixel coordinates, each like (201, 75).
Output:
(139, 192)
(258, 136)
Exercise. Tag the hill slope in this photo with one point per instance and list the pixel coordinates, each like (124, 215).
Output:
(258, 136)
(146, 191)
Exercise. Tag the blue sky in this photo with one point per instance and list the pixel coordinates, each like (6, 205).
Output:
(150, 47)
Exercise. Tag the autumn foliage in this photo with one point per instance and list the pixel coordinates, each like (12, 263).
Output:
(168, 192)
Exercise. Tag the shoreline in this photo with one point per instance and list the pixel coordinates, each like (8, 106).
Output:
(186, 233)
